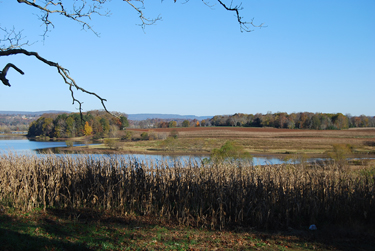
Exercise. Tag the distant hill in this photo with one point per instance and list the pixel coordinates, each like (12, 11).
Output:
(29, 113)
(144, 116)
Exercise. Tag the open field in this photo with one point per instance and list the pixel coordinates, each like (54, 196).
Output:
(257, 141)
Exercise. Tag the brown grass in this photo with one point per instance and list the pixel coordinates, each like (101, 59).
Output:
(266, 140)
(215, 196)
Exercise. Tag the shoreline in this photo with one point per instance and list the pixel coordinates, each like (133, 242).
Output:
(84, 150)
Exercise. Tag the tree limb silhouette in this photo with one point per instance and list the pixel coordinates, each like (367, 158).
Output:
(64, 73)
(4, 72)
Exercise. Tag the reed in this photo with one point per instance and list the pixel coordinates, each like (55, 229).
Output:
(210, 195)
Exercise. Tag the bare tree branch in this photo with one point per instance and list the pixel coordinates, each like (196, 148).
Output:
(62, 71)
(243, 25)
(11, 39)
(4, 72)
(145, 21)
(236, 9)
(80, 11)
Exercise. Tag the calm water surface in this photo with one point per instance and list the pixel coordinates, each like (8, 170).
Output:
(25, 146)
(21, 145)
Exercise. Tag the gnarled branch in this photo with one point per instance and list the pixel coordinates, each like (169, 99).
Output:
(64, 73)
(4, 72)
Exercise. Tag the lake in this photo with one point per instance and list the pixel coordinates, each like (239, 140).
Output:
(21, 145)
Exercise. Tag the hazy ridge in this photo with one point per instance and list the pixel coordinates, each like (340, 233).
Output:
(164, 116)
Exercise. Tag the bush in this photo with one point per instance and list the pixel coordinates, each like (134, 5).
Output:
(144, 136)
(230, 151)
(152, 135)
(173, 134)
(111, 143)
(340, 153)
(69, 143)
(169, 144)
(127, 136)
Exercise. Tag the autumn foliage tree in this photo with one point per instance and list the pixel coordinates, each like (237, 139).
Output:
(88, 129)
(70, 125)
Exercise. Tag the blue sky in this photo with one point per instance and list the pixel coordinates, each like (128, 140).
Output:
(315, 56)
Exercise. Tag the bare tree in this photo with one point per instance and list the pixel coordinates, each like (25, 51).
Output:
(81, 11)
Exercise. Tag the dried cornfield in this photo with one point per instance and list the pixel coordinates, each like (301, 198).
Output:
(267, 197)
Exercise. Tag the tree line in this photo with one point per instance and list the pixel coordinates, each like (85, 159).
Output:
(98, 124)
(301, 120)
(163, 123)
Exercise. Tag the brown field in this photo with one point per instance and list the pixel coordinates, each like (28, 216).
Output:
(259, 141)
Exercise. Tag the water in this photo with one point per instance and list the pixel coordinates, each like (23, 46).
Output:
(21, 145)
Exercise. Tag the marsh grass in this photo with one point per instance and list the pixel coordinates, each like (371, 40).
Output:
(211, 195)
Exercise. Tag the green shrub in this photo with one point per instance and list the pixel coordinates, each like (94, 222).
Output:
(69, 143)
(127, 136)
(340, 153)
(169, 144)
(230, 151)
(144, 136)
(111, 143)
